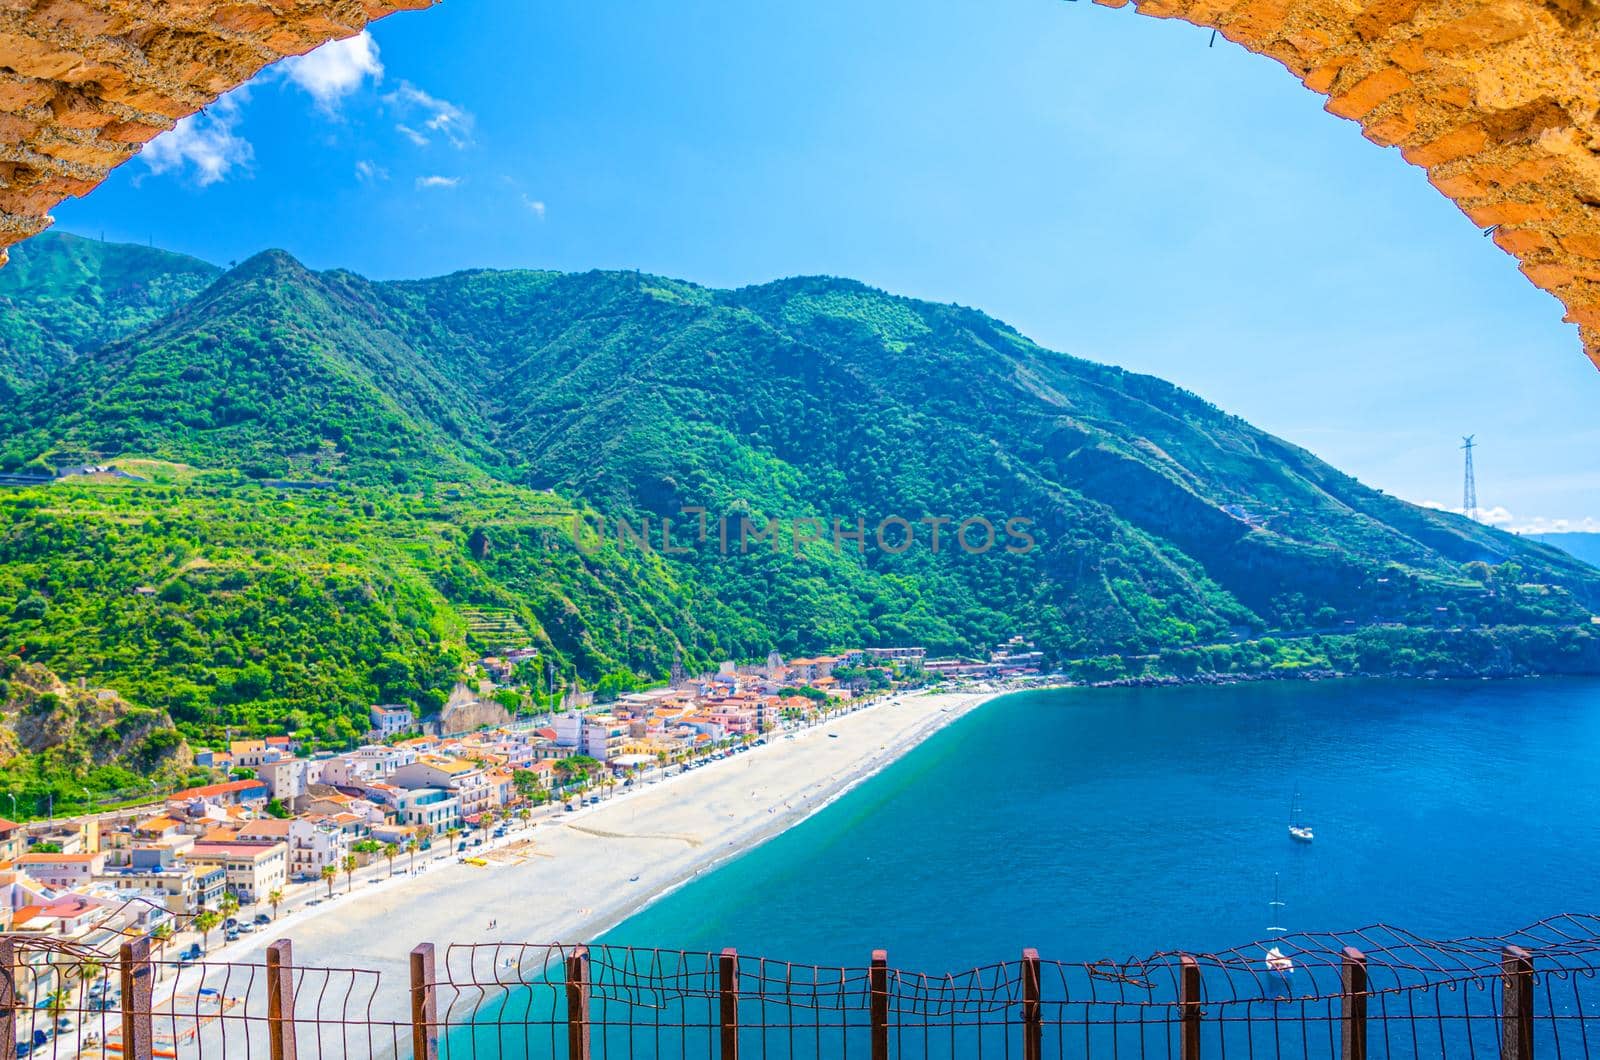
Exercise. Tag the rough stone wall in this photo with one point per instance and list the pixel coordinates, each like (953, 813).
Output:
(1498, 99)
(465, 712)
(84, 84)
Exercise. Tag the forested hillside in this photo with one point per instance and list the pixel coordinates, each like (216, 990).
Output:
(62, 294)
(331, 477)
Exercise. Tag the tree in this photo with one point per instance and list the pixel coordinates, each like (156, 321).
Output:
(328, 873)
(348, 863)
(57, 1002)
(161, 935)
(89, 970)
(411, 848)
(275, 899)
(229, 904)
(526, 781)
(389, 851)
(206, 922)
(574, 767)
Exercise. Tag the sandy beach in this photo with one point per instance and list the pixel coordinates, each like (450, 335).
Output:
(586, 871)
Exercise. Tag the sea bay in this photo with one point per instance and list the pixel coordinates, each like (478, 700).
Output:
(1097, 823)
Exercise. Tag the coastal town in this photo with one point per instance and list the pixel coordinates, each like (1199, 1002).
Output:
(287, 828)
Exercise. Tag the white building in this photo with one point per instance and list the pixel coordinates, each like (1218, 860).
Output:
(392, 720)
(435, 807)
(603, 737)
(286, 779)
(568, 728)
(313, 844)
(373, 762)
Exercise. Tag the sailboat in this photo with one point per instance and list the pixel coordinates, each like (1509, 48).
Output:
(1278, 962)
(1299, 831)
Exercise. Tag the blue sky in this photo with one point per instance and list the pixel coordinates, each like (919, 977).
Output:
(1111, 184)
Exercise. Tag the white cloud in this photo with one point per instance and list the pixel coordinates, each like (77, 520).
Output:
(205, 141)
(439, 117)
(336, 69)
(438, 182)
(1502, 518)
(536, 206)
(1587, 525)
(370, 172)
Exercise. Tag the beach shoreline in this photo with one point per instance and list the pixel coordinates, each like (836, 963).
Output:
(588, 871)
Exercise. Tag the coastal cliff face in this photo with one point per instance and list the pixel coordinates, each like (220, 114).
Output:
(465, 712)
(88, 727)
(346, 489)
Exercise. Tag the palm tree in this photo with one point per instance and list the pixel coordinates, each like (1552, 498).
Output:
(229, 904)
(411, 848)
(328, 873)
(275, 899)
(389, 851)
(205, 922)
(88, 971)
(523, 814)
(161, 935)
(57, 1002)
(349, 865)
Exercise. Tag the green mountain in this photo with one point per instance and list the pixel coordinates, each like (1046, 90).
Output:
(63, 294)
(345, 489)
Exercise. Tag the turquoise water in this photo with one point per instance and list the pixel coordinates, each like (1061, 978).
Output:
(1103, 823)
(1096, 823)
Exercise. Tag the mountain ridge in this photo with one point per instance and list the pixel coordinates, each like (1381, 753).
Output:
(455, 427)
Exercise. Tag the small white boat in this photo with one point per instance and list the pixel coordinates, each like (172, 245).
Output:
(1299, 831)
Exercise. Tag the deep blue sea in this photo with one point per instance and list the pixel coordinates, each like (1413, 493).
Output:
(1093, 823)
(1096, 823)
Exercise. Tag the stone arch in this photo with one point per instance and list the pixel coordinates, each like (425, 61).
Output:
(1499, 100)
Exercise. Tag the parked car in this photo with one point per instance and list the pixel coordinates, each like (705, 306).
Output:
(190, 953)
(262, 919)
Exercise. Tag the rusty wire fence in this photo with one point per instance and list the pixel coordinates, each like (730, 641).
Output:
(1378, 992)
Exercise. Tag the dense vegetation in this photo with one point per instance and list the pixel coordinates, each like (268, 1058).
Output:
(61, 295)
(345, 489)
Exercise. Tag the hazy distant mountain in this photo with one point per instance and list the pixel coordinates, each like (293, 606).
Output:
(1584, 546)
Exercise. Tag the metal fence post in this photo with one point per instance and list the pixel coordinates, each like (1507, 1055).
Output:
(1032, 1009)
(728, 975)
(138, 993)
(1353, 1005)
(1516, 1006)
(578, 1004)
(878, 982)
(9, 993)
(280, 1000)
(424, 1004)
(1189, 1009)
